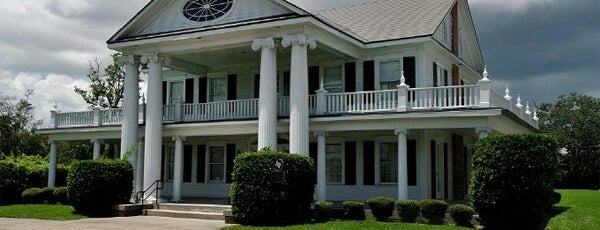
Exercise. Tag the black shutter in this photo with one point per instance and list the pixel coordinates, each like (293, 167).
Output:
(350, 163)
(369, 75)
(410, 71)
(313, 79)
(162, 164)
(313, 152)
(229, 167)
(203, 90)
(189, 90)
(446, 171)
(435, 75)
(350, 69)
(187, 163)
(433, 169)
(164, 92)
(232, 87)
(369, 162)
(257, 86)
(201, 164)
(412, 162)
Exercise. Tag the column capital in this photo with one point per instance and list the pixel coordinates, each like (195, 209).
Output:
(399, 131)
(155, 58)
(482, 132)
(320, 133)
(299, 40)
(266, 43)
(96, 140)
(129, 59)
(178, 138)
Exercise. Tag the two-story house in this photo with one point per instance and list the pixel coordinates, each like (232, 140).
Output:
(388, 97)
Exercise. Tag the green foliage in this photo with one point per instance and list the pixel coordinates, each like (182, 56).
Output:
(556, 198)
(513, 180)
(323, 211)
(32, 196)
(47, 195)
(408, 210)
(382, 207)
(354, 210)
(575, 121)
(23, 172)
(258, 200)
(95, 186)
(60, 195)
(71, 151)
(17, 125)
(434, 210)
(40, 212)
(462, 214)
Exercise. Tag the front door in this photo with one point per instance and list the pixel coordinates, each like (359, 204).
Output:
(439, 157)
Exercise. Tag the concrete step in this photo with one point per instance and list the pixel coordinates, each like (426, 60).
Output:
(207, 208)
(185, 214)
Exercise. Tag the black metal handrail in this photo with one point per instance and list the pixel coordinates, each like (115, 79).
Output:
(155, 188)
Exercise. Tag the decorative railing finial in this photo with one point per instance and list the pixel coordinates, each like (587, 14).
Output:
(519, 105)
(535, 117)
(402, 79)
(527, 109)
(55, 107)
(507, 94)
(485, 73)
(143, 98)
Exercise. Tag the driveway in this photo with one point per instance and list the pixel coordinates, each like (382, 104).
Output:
(123, 223)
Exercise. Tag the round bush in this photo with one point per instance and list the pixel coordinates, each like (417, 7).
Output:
(61, 195)
(513, 180)
(323, 211)
(47, 195)
(32, 196)
(354, 210)
(94, 187)
(462, 214)
(408, 210)
(434, 210)
(556, 197)
(382, 207)
(259, 197)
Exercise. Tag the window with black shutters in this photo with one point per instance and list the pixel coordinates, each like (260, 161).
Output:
(409, 67)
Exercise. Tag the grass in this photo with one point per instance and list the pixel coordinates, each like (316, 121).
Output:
(354, 225)
(578, 209)
(43, 212)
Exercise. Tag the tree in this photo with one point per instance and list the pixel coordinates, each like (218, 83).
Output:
(575, 121)
(106, 88)
(17, 125)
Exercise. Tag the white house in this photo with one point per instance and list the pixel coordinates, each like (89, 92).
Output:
(388, 97)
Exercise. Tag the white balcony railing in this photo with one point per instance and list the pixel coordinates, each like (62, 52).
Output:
(402, 99)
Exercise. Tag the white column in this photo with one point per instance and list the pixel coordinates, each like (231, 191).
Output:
(402, 164)
(154, 112)
(97, 144)
(52, 164)
(299, 113)
(267, 104)
(482, 132)
(321, 166)
(139, 173)
(129, 128)
(178, 170)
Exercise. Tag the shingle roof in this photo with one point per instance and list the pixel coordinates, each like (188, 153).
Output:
(388, 19)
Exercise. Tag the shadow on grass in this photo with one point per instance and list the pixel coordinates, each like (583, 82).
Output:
(555, 211)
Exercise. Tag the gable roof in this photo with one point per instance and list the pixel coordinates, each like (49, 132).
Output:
(388, 19)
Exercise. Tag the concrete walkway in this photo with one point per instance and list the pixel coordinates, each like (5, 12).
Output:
(123, 223)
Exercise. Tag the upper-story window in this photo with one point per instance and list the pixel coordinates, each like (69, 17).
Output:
(332, 79)
(389, 74)
(217, 89)
(441, 76)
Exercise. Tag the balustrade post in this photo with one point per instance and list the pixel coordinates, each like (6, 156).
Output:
(322, 101)
(97, 119)
(402, 94)
(485, 87)
(53, 118)
(177, 112)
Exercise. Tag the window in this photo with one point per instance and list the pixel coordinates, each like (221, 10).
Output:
(218, 89)
(388, 162)
(176, 93)
(170, 163)
(440, 76)
(216, 164)
(332, 79)
(334, 163)
(206, 10)
(389, 74)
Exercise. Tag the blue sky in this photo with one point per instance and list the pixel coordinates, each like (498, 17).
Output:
(541, 48)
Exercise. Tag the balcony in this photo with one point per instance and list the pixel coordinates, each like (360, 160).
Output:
(399, 100)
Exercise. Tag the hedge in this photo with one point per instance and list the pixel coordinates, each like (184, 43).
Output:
(323, 211)
(382, 207)
(257, 198)
(408, 210)
(513, 179)
(434, 210)
(23, 172)
(462, 214)
(94, 187)
(354, 210)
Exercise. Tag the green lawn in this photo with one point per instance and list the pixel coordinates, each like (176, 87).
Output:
(353, 225)
(578, 209)
(44, 212)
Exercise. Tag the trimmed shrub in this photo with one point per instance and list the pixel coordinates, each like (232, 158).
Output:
(462, 214)
(32, 196)
(408, 210)
(47, 195)
(60, 195)
(323, 211)
(382, 207)
(434, 210)
(354, 210)
(513, 180)
(260, 197)
(94, 187)
(556, 197)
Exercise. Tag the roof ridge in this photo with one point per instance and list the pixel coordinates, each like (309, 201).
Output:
(349, 6)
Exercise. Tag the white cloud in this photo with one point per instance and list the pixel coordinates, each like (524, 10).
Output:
(514, 5)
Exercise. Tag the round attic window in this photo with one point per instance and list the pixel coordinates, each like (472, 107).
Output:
(206, 10)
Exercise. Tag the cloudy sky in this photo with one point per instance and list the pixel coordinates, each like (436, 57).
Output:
(542, 48)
